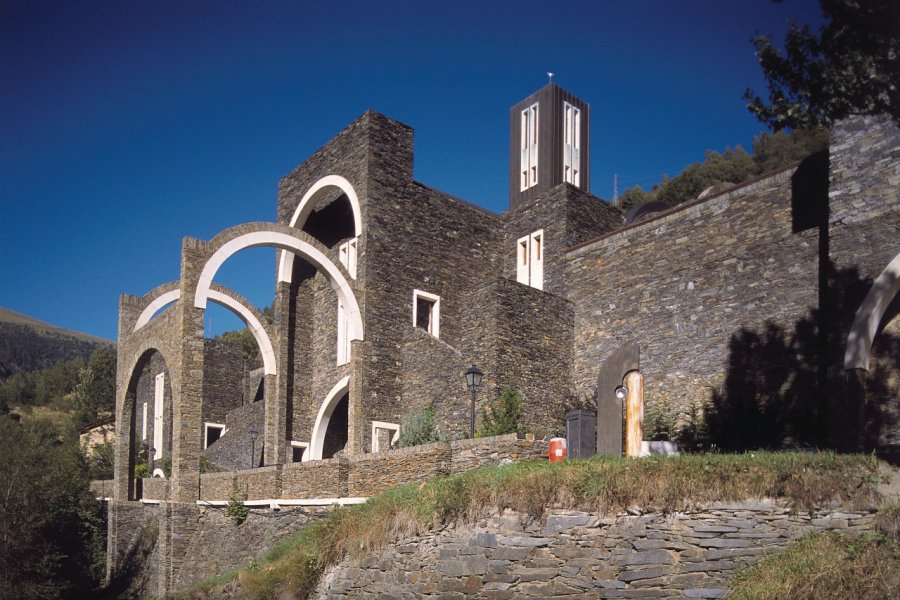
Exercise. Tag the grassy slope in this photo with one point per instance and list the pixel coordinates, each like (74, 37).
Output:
(599, 484)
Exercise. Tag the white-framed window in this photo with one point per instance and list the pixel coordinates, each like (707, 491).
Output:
(530, 259)
(528, 147)
(379, 429)
(571, 144)
(144, 424)
(158, 395)
(347, 254)
(211, 433)
(299, 451)
(343, 337)
(427, 312)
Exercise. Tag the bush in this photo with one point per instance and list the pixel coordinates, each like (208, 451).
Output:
(419, 428)
(236, 510)
(100, 461)
(502, 416)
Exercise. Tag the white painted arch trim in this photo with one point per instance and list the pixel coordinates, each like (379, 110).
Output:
(869, 314)
(301, 213)
(285, 242)
(266, 350)
(317, 442)
(154, 307)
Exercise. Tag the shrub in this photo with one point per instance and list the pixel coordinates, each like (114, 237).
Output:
(502, 416)
(236, 510)
(419, 428)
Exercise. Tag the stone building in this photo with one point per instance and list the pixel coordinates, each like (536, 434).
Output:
(388, 289)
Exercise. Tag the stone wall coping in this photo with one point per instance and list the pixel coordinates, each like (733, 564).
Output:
(487, 441)
(387, 454)
(779, 176)
(277, 503)
(319, 462)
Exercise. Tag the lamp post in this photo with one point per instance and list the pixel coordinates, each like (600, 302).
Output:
(473, 380)
(253, 434)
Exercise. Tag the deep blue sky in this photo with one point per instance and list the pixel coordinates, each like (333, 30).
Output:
(125, 125)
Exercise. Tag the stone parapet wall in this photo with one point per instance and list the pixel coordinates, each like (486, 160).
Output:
(364, 475)
(582, 554)
(155, 488)
(372, 474)
(103, 488)
(315, 479)
(469, 454)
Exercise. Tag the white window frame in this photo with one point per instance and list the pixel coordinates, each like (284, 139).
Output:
(207, 426)
(376, 425)
(347, 254)
(305, 446)
(434, 318)
(343, 337)
(571, 144)
(159, 391)
(530, 251)
(528, 147)
(144, 425)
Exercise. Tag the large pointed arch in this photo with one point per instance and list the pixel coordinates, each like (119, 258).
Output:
(301, 213)
(251, 235)
(320, 428)
(869, 315)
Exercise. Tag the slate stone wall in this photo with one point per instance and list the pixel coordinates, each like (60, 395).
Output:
(223, 380)
(315, 479)
(469, 454)
(581, 554)
(371, 474)
(683, 284)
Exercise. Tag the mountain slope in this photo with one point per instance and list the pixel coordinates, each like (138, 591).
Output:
(27, 344)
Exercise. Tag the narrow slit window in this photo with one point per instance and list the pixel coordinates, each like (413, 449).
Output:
(343, 339)
(528, 146)
(347, 254)
(530, 261)
(571, 144)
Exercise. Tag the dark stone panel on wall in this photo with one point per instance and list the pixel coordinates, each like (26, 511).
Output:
(223, 380)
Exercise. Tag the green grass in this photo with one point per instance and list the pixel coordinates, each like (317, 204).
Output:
(829, 566)
(529, 488)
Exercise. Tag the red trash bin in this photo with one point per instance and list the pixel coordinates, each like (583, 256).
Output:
(558, 449)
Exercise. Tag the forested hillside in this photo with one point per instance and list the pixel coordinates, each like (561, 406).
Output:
(27, 344)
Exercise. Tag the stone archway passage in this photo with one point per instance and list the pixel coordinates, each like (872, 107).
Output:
(320, 429)
(869, 315)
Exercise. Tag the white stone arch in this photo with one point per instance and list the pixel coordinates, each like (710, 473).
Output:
(317, 442)
(305, 207)
(293, 244)
(868, 316)
(266, 350)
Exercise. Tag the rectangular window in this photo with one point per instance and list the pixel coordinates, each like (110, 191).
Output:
(211, 433)
(158, 394)
(298, 451)
(571, 144)
(530, 259)
(528, 146)
(347, 254)
(144, 424)
(427, 312)
(343, 339)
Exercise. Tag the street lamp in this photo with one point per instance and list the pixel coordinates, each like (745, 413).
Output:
(473, 380)
(253, 434)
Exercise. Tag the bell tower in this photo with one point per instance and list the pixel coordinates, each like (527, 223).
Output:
(549, 143)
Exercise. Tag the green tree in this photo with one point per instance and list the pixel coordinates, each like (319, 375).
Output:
(851, 66)
(246, 341)
(634, 197)
(779, 149)
(51, 534)
(95, 393)
(502, 416)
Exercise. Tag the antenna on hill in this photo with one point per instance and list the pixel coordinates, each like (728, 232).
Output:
(616, 189)
(549, 77)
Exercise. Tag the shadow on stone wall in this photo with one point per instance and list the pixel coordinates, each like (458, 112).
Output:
(781, 383)
(132, 576)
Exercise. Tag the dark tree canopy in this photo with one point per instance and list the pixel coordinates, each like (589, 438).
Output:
(851, 66)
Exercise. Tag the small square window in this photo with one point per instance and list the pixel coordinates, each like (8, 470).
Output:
(427, 312)
(212, 432)
(298, 451)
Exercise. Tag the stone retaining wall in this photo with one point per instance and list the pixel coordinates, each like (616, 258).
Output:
(372, 474)
(103, 488)
(315, 479)
(581, 554)
(469, 454)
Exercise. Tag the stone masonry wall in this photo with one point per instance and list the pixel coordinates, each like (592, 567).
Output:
(371, 474)
(315, 479)
(223, 380)
(582, 554)
(682, 284)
